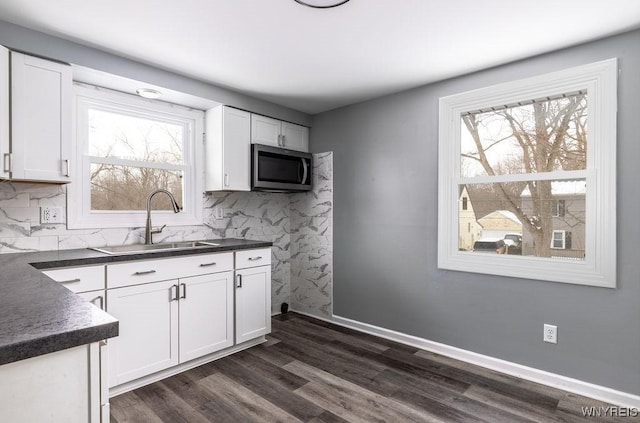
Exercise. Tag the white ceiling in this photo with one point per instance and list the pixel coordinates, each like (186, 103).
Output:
(314, 60)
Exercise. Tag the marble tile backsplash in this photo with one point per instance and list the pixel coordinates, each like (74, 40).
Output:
(299, 225)
(312, 242)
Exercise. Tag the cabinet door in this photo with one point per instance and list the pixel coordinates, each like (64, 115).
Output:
(206, 314)
(55, 387)
(265, 130)
(227, 149)
(253, 303)
(4, 112)
(237, 150)
(148, 340)
(40, 119)
(295, 137)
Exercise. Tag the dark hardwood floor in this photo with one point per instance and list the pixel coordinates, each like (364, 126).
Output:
(313, 371)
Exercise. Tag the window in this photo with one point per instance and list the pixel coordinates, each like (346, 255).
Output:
(537, 159)
(126, 147)
(558, 239)
(557, 208)
(464, 203)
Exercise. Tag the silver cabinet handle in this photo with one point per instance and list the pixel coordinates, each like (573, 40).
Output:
(284, 141)
(213, 263)
(100, 299)
(146, 272)
(184, 291)
(226, 179)
(70, 281)
(67, 167)
(255, 258)
(173, 297)
(7, 162)
(239, 281)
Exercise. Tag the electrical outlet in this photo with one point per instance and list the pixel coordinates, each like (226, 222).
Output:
(551, 334)
(51, 215)
(218, 212)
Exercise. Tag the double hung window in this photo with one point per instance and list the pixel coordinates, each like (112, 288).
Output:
(536, 158)
(127, 147)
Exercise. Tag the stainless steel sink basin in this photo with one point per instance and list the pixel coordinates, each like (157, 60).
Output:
(149, 248)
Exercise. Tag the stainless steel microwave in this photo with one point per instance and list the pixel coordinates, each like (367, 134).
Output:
(280, 170)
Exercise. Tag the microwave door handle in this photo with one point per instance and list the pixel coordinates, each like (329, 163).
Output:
(304, 171)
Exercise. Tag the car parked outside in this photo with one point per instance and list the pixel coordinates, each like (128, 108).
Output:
(490, 246)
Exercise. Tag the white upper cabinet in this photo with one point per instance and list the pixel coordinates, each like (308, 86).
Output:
(40, 120)
(227, 149)
(269, 131)
(265, 130)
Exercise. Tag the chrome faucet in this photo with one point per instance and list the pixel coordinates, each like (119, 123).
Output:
(148, 232)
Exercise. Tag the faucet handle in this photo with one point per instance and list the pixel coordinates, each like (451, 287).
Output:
(157, 231)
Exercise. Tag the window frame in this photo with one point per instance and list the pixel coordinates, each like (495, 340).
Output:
(558, 207)
(80, 215)
(599, 266)
(553, 239)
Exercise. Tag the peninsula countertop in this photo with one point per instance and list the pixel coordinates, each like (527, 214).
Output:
(40, 316)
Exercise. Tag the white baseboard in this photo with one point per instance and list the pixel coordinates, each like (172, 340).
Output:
(575, 386)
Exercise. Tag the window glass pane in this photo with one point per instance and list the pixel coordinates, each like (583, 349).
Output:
(134, 138)
(520, 216)
(126, 188)
(542, 136)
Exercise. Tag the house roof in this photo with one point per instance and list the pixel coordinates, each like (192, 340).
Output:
(578, 187)
(502, 213)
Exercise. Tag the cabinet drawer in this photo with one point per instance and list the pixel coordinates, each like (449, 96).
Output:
(145, 271)
(253, 258)
(79, 279)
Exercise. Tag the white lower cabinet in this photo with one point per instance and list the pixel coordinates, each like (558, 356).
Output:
(175, 320)
(64, 386)
(253, 303)
(148, 339)
(205, 315)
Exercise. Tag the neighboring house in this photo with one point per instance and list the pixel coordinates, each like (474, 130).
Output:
(499, 223)
(468, 228)
(568, 209)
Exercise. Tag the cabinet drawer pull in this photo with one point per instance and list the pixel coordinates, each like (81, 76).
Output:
(146, 272)
(67, 167)
(70, 281)
(213, 263)
(184, 291)
(239, 281)
(255, 258)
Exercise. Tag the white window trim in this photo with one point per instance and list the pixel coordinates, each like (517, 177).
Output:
(599, 266)
(79, 190)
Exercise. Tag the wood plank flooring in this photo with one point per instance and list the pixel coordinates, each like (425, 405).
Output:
(313, 371)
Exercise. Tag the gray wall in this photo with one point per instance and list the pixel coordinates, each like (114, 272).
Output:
(20, 38)
(385, 235)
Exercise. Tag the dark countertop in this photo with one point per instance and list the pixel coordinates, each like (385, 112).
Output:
(40, 316)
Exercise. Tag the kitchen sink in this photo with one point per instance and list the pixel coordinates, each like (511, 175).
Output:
(149, 248)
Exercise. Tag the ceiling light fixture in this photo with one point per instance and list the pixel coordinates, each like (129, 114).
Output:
(321, 4)
(148, 93)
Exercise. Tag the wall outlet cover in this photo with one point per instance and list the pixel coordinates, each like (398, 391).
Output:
(51, 215)
(550, 334)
